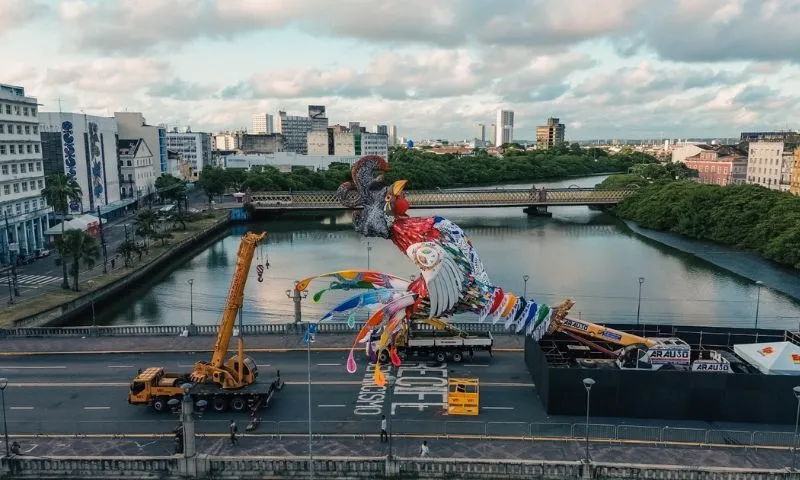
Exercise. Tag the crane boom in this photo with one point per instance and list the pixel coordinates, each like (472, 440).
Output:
(233, 373)
(560, 322)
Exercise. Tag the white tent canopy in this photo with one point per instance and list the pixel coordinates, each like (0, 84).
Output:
(776, 358)
(78, 222)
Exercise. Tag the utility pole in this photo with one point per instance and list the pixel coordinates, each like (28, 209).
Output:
(103, 241)
(12, 258)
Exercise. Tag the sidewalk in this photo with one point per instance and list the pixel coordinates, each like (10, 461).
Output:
(204, 343)
(573, 450)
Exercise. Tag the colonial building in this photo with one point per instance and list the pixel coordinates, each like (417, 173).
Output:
(770, 164)
(136, 161)
(721, 165)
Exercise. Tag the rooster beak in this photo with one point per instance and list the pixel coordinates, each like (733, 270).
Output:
(398, 186)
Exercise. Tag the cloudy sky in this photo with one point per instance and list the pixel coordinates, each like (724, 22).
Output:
(435, 68)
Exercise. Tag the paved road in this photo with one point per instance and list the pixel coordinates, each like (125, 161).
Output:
(87, 394)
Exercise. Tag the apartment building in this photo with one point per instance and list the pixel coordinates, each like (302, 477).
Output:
(722, 165)
(550, 134)
(769, 164)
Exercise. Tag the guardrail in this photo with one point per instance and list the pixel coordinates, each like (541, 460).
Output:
(174, 330)
(209, 427)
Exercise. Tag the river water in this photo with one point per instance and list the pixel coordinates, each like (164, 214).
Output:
(589, 256)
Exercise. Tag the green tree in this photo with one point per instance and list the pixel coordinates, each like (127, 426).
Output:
(171, 188)
(146, 222)
(214, 180)
(128, 249)
(74, 246)
(58, 192)
(575, 149)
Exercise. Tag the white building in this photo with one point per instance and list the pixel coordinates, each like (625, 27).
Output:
(284, 161)
(226, 140)
(504, 127)
(344, 144)
(295, 130)
(83, 147)
(769, 164)
(138, 175)
(133, 126)
(375, 144)
(492, 134)
(318, 142)
(392, 135)
(194, 147)
(262, 123)
(21, 174)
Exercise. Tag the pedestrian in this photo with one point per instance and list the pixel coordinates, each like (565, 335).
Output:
(423, 450)
(234, 429)
(383, 429)
(15, 448)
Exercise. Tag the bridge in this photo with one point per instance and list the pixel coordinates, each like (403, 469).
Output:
(535, 201)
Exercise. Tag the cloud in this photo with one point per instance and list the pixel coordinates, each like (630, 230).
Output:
(120, 76)
(16, 14)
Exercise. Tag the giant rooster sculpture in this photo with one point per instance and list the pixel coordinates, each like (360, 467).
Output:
(452, 278)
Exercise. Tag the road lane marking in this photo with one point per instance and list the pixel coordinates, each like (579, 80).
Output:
(48, 367)
(329, 364)
(475, 365)
(120, 366)
(330, 406)
(185, 366)
(263, 365)
(497, 408)
(96, 408)
(21, 408)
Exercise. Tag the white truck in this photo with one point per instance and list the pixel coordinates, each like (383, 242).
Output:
(441, 345)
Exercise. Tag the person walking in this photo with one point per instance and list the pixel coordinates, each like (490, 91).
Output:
(423, 450)
(384, 435)
(234, 429)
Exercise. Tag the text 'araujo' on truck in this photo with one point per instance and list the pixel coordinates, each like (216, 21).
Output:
(223, 385)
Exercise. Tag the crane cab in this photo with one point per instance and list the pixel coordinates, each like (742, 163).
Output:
(155, 382)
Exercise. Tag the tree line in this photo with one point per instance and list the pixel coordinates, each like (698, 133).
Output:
(426, 170)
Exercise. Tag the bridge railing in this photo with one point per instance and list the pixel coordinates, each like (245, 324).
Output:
(432, 198)
(287, 327)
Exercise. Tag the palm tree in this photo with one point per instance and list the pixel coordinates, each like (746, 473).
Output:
(58, 192)
(77, 245)
(146, 221)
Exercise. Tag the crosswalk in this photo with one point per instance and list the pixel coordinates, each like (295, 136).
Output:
(35, 279)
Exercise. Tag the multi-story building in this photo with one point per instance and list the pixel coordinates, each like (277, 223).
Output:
(779, 136)
(133, 126)
(194, 148)
(319, 142)
(480, 135)
(227, 140)
(262, 123)
(383, 129)
(721, 165)
(24, 212)
(138, 175)
(375, 144)
(769, 164)
(319, 122)
(285, 161)
(392, 135)
(83, 147)
(681, 152)
(795, 186)
(295, 131)
(492, 134)
(550, 135)
(344, 144)
(505, 127)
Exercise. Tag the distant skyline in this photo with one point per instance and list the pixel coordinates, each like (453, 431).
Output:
(634, 69)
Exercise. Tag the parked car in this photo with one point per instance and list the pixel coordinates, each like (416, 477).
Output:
(42, 252)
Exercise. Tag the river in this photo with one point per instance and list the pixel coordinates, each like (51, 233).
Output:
(586, 255)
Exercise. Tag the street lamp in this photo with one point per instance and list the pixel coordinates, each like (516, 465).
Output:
(525, 279)
(389, 392)
(191, 302)
(3, 385)
(369, 249)
(796, 391)
(639, 305)
(587, 383)
(758, 299)
(311, 330)
(297, 297)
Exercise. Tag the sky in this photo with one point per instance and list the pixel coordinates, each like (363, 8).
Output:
(644, 69)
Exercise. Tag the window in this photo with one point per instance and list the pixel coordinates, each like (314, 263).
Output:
(8, 109)
(27, 129)
(29, 148)
(25, 111)
(18, 208)
(19, 129)
(12, 149)
(13, 169)
(35, 129)
(27, 206)
(33, 185)
(24, 186)
(2, 149)
(30, 167)
(36, 148)
(38, 165)
(2, 128)
(16, 188)
(33, 113)
(5, 170)
(22, 168)
(6, 189)
(41, 184)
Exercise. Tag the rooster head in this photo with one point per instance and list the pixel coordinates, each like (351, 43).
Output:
(381, 202)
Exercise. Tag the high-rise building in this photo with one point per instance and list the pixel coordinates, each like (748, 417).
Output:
(318, 142)
(493, 134)
(770, 164)
(392, 135)
(375, 144)
(193, 147)
(480, 134)
(21, 175)
(83, 147)
(505, 127)
(319, 121)
(550, 135)
(382, 129)
(132, 126)
(262, 123)
(295, 131)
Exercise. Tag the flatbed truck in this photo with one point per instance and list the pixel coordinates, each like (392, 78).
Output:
(451, 344)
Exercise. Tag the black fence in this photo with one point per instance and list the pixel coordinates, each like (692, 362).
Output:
(672, 394)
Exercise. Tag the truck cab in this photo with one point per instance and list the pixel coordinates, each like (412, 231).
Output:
(155, 383)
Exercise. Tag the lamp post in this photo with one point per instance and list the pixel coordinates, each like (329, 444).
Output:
(3, 385)
(587, 383)
(297, 297)
(191, 302)
(525, 279)
(311, 330)
(796, 391)
(639, 305)
(369, 249)
(758, 299)
(390, 385)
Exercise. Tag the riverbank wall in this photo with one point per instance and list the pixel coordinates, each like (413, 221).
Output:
(742, 263)
(229, 467)
(64, 312)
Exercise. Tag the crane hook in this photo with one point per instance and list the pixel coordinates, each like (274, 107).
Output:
(260, 271)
